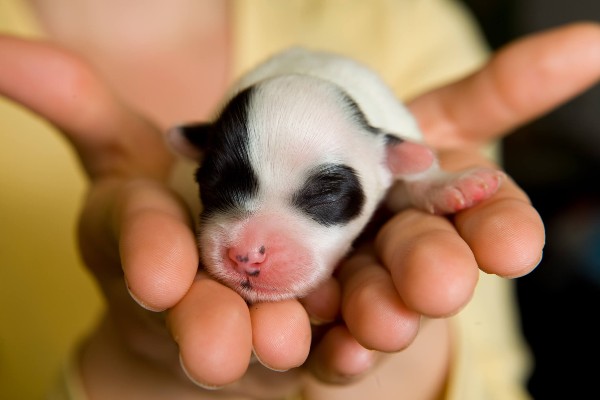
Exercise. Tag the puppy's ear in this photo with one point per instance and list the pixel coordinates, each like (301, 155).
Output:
(405, 158)
(189, 140)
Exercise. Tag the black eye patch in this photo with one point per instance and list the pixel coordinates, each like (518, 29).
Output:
(331, 195)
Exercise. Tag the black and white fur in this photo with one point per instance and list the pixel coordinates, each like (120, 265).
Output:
(303, 152)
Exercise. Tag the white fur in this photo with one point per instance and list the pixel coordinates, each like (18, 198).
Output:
(312, 128)
(370, 92)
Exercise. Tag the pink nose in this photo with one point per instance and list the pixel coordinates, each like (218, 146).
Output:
(247, 261)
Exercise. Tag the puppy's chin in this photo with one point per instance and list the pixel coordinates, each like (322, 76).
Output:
(278, 279)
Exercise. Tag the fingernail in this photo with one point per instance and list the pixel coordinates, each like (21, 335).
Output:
(140, 302)
(255, 358)
(194, 380)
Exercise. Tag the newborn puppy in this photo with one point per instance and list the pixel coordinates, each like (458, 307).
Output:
(306, 147)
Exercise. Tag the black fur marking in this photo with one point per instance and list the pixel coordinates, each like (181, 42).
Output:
(392, 140)
(197, 134)
(357, 114)
(226, 178)
(332, 195)
(246, 285)
(359, 117)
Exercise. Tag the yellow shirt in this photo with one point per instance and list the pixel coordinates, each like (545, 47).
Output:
(47, 299)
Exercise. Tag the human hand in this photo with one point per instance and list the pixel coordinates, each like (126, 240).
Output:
(425, 265)
(133, 228)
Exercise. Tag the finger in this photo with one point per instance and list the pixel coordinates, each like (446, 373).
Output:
(522, 81)
(281, 334)
(323, 303)
(418, 372)
(158, 248)
(211, 325)
(374, 313)
(432, 267)
(59, 86)
(505, 232)
(339, 358)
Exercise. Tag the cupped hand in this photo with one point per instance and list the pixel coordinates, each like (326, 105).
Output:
(136, 237)
(425, 265)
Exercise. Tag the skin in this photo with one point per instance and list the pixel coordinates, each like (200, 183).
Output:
(134, 229)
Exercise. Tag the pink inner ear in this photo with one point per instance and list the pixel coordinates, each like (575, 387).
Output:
(179, 143)
(408, 158)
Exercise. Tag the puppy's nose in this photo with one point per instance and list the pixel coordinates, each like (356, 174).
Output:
(246, 260)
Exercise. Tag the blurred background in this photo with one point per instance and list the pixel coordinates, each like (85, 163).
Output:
(556, 160)
(47, 300)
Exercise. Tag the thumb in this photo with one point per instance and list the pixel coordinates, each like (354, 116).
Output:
(522, 81)
(59, 86)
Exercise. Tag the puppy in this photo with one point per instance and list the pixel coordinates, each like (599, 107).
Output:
(304, 150)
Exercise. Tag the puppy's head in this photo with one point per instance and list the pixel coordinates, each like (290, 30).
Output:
(290, 172)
